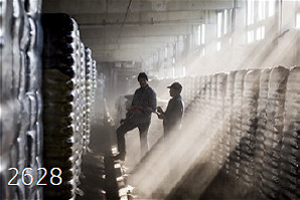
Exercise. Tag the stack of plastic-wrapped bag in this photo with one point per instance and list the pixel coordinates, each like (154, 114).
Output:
(20, 106)
(91, 84)
(257, 135)
(66, 102)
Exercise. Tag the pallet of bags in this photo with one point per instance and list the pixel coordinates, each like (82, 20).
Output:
(21, 130)
(63, 104)
(274, 132)
(290, 157)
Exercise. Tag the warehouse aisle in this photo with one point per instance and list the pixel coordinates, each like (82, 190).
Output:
(93, 170)
(95, 180)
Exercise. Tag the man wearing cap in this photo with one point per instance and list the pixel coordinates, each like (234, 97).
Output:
(173, 114)
(138, 116)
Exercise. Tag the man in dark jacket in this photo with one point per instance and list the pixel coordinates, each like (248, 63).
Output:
(138, 116)
(171, 122)
(173, 114)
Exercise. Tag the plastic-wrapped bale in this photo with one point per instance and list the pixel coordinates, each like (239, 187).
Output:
(194, 87)
(33, 94)
(275, 116)
(221, 89)
(94, 78)
(207, 96)
(207, 116)
(199, 98)
(192, 99)
(93, 88)
(249, 125)
(89, 88)
(62, 96)
(195, 100)
(214, 109)
(91, 85)
(19, 41)
(228, 117)
(187, 92)
(203, 101)
(82, 91)
(184, 93)
(20, 97)
(80, 107)
(261, 126)
(237, 105)
(289, 165)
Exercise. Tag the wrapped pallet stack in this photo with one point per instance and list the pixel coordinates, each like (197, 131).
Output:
(228, 118)
(65, 107)
(261, 124)
(255, 135)
(21, 127)
(249, 125)
(221, 91)
(236, 123)
(273, 134)
(289, 165)
(91, 84)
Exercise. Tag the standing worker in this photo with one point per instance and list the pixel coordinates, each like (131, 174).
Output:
(138, 116)
(173, 114)
(171, 122)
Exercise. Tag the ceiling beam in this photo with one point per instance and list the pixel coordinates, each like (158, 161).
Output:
(117, 6)
(128, 49)
(124, 47)
(116, 30)
(130, 40)
(112, 56)
(135, 31)
(140, 18)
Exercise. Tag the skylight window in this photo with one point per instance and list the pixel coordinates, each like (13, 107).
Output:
(271, 7)
(219, 31)
(298, 20)
(250, 12)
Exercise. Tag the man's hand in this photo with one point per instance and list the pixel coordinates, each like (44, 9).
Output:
(122, 121)
(159, 110)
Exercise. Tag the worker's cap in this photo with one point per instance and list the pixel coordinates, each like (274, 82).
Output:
(176, 86)
(142, 75)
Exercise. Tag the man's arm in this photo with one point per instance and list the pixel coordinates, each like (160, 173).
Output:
(160, 113)
(135, 99)
(153, 102)
(151, 107)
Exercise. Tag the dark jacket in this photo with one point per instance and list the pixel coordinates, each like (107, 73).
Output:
(173, 114)
(146, 99)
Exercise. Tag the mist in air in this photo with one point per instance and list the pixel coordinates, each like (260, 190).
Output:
(203, 129)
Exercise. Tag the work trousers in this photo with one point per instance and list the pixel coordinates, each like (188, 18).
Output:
(128, 126)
